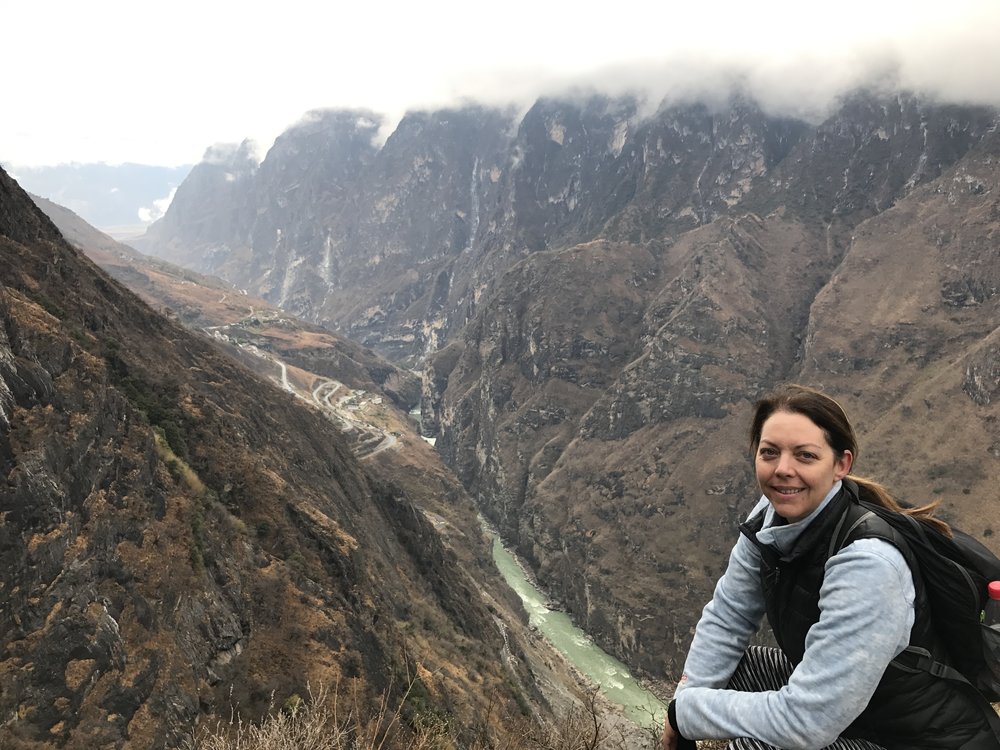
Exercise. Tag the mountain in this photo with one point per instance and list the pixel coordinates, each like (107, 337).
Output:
(180, 539)
(345, 223)
(628, 284)
(395, 245)
(207, 217)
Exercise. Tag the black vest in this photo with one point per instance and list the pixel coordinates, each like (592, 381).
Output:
(911, 709)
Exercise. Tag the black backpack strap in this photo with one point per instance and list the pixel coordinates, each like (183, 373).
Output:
(915, 659)
(839, 538)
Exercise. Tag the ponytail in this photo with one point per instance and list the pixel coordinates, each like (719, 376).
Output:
(873, 492)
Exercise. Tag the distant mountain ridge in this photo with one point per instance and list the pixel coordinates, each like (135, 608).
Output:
(395, 244)
(597, 297)
(124, 197)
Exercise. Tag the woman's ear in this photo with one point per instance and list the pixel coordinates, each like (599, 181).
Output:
(843, 465)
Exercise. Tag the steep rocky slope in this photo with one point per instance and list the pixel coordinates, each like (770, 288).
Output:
(206, 218)
(178, 538)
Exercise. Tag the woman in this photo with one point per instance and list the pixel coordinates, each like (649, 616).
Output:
(840, 616)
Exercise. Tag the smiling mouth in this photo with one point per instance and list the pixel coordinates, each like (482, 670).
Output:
(788, 491)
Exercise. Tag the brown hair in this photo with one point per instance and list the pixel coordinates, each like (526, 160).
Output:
(831, 418)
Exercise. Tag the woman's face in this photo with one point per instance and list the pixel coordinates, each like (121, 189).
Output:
(796, 467)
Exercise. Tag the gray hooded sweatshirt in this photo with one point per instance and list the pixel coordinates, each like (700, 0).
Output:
(866, 614)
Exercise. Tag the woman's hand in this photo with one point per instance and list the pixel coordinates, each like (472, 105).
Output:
(672, 737)
(669, 741)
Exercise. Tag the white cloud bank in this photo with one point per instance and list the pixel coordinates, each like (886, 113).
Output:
(96, 87)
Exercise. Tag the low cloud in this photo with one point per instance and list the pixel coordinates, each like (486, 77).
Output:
(794, 57)
(149, 214)
(949, 53)
(225, 154)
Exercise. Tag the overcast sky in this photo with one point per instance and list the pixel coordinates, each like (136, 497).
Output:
(157, 83)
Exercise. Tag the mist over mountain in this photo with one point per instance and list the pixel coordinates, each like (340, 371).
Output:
(794, 60)
(596, 292)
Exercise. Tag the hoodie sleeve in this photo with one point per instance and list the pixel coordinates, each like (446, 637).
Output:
(866, 613)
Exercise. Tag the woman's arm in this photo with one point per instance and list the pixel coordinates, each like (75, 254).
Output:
(727, 622)
(866, 613)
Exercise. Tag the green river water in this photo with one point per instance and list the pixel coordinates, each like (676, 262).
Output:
(610, 675)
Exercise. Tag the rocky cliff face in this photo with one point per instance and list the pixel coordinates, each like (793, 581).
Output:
(631, 283)
(869, 154)
(624, 490)
(178, 537)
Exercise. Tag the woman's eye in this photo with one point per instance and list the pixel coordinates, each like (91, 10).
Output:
(807, 456)
(767, 452)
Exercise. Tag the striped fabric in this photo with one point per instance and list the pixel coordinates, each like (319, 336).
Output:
(767, 669)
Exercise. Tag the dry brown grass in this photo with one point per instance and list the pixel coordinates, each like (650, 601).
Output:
(320, 723)
(315, 723)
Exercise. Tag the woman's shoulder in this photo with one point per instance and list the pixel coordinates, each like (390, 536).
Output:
(872, 536)
(872, 559)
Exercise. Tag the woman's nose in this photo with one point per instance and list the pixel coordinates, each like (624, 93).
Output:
(784, 465)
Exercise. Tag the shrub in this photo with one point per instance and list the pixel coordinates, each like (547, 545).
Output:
(317, 723)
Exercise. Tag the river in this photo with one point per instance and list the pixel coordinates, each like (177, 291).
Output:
(610, 675)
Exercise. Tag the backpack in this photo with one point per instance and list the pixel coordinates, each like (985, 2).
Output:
(955, 572)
